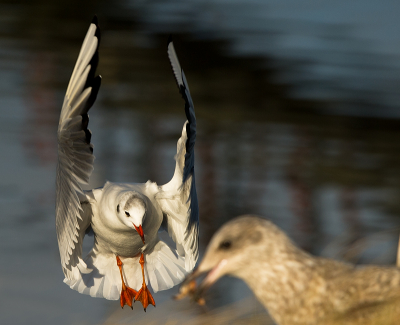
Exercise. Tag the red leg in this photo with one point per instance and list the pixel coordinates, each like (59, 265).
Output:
(144, 295)
(127, 294)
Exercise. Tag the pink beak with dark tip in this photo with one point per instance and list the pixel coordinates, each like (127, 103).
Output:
(140, 232)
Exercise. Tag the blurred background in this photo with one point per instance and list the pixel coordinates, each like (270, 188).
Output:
(298, 107)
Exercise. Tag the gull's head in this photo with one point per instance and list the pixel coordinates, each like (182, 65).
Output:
(232, 247)
(131, 210)
(235, 250)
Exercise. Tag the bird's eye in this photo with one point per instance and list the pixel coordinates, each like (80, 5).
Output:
(226, 244)
(127, 214)
(118, 208)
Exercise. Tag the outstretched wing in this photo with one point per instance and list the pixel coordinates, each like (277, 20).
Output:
(178, 198)
(75, 155)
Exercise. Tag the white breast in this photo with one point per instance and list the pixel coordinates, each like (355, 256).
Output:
(114, 236)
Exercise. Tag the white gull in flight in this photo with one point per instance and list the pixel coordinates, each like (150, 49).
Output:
(125, 218)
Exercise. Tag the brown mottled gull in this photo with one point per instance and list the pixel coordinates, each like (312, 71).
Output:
(296, 287)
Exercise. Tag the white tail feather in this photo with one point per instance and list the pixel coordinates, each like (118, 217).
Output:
(164, 268)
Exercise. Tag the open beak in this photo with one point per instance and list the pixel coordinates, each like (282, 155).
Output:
(189, 287)
(140, 232)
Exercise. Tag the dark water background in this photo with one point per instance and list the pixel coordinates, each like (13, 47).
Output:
(297, 108)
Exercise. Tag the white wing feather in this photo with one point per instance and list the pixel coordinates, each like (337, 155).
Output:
(178, 198)
(75, 157)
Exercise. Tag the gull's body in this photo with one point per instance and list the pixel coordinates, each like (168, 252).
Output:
(125, 218)
(112, 235)
(296, 287)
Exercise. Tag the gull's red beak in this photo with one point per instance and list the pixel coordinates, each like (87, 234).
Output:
(140, 232)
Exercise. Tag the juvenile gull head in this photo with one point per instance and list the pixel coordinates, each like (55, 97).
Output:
(296, 287)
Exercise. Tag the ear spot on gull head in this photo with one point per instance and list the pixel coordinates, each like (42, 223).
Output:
(255, 236)
(118, 208)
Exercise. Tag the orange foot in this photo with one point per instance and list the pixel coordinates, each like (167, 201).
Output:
(127, 294)
(144, 295)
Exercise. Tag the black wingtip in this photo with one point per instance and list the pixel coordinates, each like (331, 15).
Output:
(93, 66)
(98, 32)
(169, 39)
(95, 84)
(95, 21)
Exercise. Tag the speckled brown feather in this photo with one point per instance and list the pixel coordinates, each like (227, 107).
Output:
(296, 287)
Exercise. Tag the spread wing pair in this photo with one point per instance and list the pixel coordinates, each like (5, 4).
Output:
(175, 203)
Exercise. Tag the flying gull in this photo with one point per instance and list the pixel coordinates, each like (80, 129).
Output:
(125, 218)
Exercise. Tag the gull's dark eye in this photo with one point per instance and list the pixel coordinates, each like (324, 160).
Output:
(127, 214)
(226, 244)
(118, 208)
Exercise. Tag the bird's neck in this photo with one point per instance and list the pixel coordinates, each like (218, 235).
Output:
(290, 285)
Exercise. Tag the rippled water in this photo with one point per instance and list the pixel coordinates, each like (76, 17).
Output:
(331, 181)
